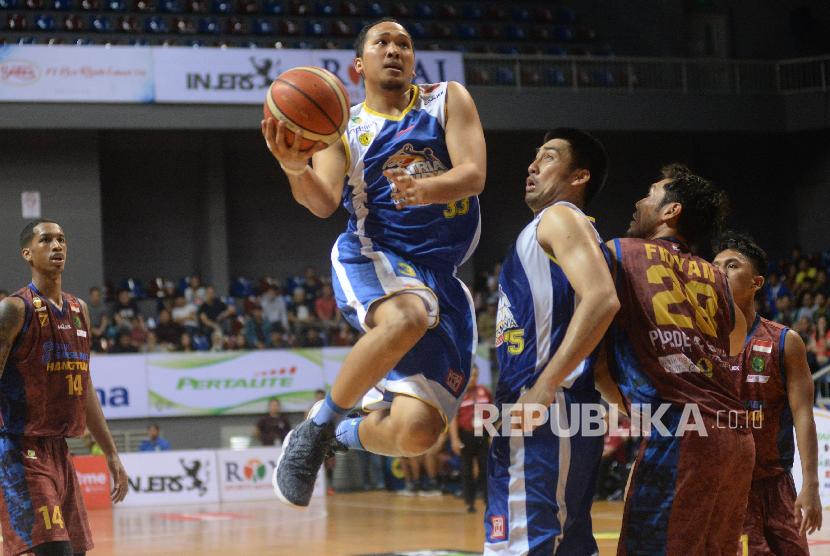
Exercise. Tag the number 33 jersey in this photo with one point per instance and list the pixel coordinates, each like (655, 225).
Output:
(670, 340)
(438, 236)
(44, 384)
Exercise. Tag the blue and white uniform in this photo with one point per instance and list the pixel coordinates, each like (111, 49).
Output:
(540, 487)
(386, 251)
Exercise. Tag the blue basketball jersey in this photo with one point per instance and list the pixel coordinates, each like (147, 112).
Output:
(436, 236)
(536, 303)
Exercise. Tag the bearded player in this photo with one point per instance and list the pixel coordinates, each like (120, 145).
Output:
(414, 161)
(776, 386)
(671, 343)
(46, 395)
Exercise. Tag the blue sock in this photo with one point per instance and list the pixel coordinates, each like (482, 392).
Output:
(348, 435)
(329, 412)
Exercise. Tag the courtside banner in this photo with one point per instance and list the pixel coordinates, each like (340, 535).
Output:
(242, 76)
(121, 384)
(233, 382)
(176, 477)
(246, 474)
(94, 478)
(32, 73)
(822, 417)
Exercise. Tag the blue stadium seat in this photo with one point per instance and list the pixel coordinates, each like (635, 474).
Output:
(209, 26)
(155, 24)
(27, 40)
(242, 288)
(324, 9)
(505, 76)
(514, 32)
(222, 7)
(424, 11)
(418, 30)
(263, 27)
(100, 23)
(138, 42)
(557, 51)
(520, 13)
(374, 9)
(315, 29)
(466, 31)
(563, 33)
(196, 43)
(116, 5)
(8, 4)
(134, 287)
(555, 77)
(472, 11)
(61, 5)
(603, 78)
(274, 7)
(565, 15)
(604, 51)
(507, 50)
(45, 23)
(171, 6)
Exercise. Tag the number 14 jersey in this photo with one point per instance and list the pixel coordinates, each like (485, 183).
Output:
(670, 340)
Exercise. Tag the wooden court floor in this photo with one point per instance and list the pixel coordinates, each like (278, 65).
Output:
(343, 524)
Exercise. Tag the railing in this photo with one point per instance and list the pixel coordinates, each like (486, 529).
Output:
(683, 75)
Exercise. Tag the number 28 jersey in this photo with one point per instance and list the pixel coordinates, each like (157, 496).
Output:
(670, 340)
(44, 384)
(436, 236)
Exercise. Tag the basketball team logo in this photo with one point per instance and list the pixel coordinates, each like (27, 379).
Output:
(504, 318)
(420, 164)
(758, 364)
(255, 471)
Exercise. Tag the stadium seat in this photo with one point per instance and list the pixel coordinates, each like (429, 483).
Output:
(563, 33)
(146, 6)
(184, 26)
(298, 7)
(555, 77)
(100, 24)
(341, 29)
(514, 32)
(400, 10)
(418, 30)
(289, 27)
(520, 14)
(274, 7)
(489, 31)
(543, 15)
(196, 6)
(83, 41)
(539, 33)
(90, 5)
(497, 13)
(585, 34)
(73, 22)
(447, 11)
(8, 4)
(316, 29)
(324, 9)
(441, 30)
(237, 26)
(138, 41)
(472, 11)
(34, 4)
(466, 31)
(155, 24)
(507, 50)
(602, 78)
(195, 43)
(248, 7)
(349, 9)
(505, 76)
(557, 51)
(127, 24)
(222, 7)
(263, 27)
(423, 11)
(565, 15)
(62, 5)
(374, 9)
(45, 23)
(209, 26)
(116, 5)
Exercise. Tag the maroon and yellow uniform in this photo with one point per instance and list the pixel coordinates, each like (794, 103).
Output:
(770, 525)
(42, 400)
(670, 344)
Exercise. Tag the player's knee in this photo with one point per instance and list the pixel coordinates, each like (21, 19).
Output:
(409, 318)
(418, 436)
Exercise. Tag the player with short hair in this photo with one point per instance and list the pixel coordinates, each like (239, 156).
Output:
(556, 300)
(776, 387)
(671, 343)
(46, 395)
(415, 160)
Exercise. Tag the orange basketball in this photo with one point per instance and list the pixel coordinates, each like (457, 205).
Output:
(309, 99)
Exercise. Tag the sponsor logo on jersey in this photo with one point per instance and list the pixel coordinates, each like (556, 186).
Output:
(420, 164)
(76, 320)
(365, 138)
(705, 366)
(74, 307)
(455, 381)
(64, 326)
(37, 303)
(30, 454)
(757, 364)
(504, 317)
(357, 120)
(678, 363)
(43, 318)
(405, 270)
(81, 333)
(763, 346)
(497, 530)
(757, 378)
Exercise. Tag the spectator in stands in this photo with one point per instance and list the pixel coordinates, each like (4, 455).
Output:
(185, 343)
(311, 282)
(821, 285)
(138, 333)
(472, 449)
(272, 426)
(276, 340)
(257, 329)
(345, 335)
(91, 445)
(151, 344)
(194, 292)
(806, 272)
(325, 307)
(313, 338)
(168, 332)
(819, 343)
(214, 313)
(99, 318)
(184, 314)
(124, 343)
(805, 307)
(299, 312)
(274, 306)
(487, 324)
(820, 307)
(785, 314)
(154, 442)
(125, 310)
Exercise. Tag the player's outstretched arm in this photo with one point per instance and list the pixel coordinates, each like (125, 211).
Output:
(800, 396)
(12, 315)
(97, 425)
(317, 188)
(468, 154)
(569, 237)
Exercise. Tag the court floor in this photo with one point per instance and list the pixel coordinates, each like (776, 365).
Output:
(343, 524)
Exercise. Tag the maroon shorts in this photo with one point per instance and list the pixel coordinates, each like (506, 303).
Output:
(40, 499)
(770, 527)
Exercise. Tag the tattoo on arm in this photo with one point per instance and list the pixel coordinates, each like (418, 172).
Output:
(12, 313)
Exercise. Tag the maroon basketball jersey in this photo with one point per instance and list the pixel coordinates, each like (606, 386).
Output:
(46, 378)
(764, 393)
(671, 336)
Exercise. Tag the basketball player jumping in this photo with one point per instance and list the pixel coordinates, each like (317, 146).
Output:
(776, 386)
(414, 159)
(671, 342)
(556, 300)
(46, 395)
